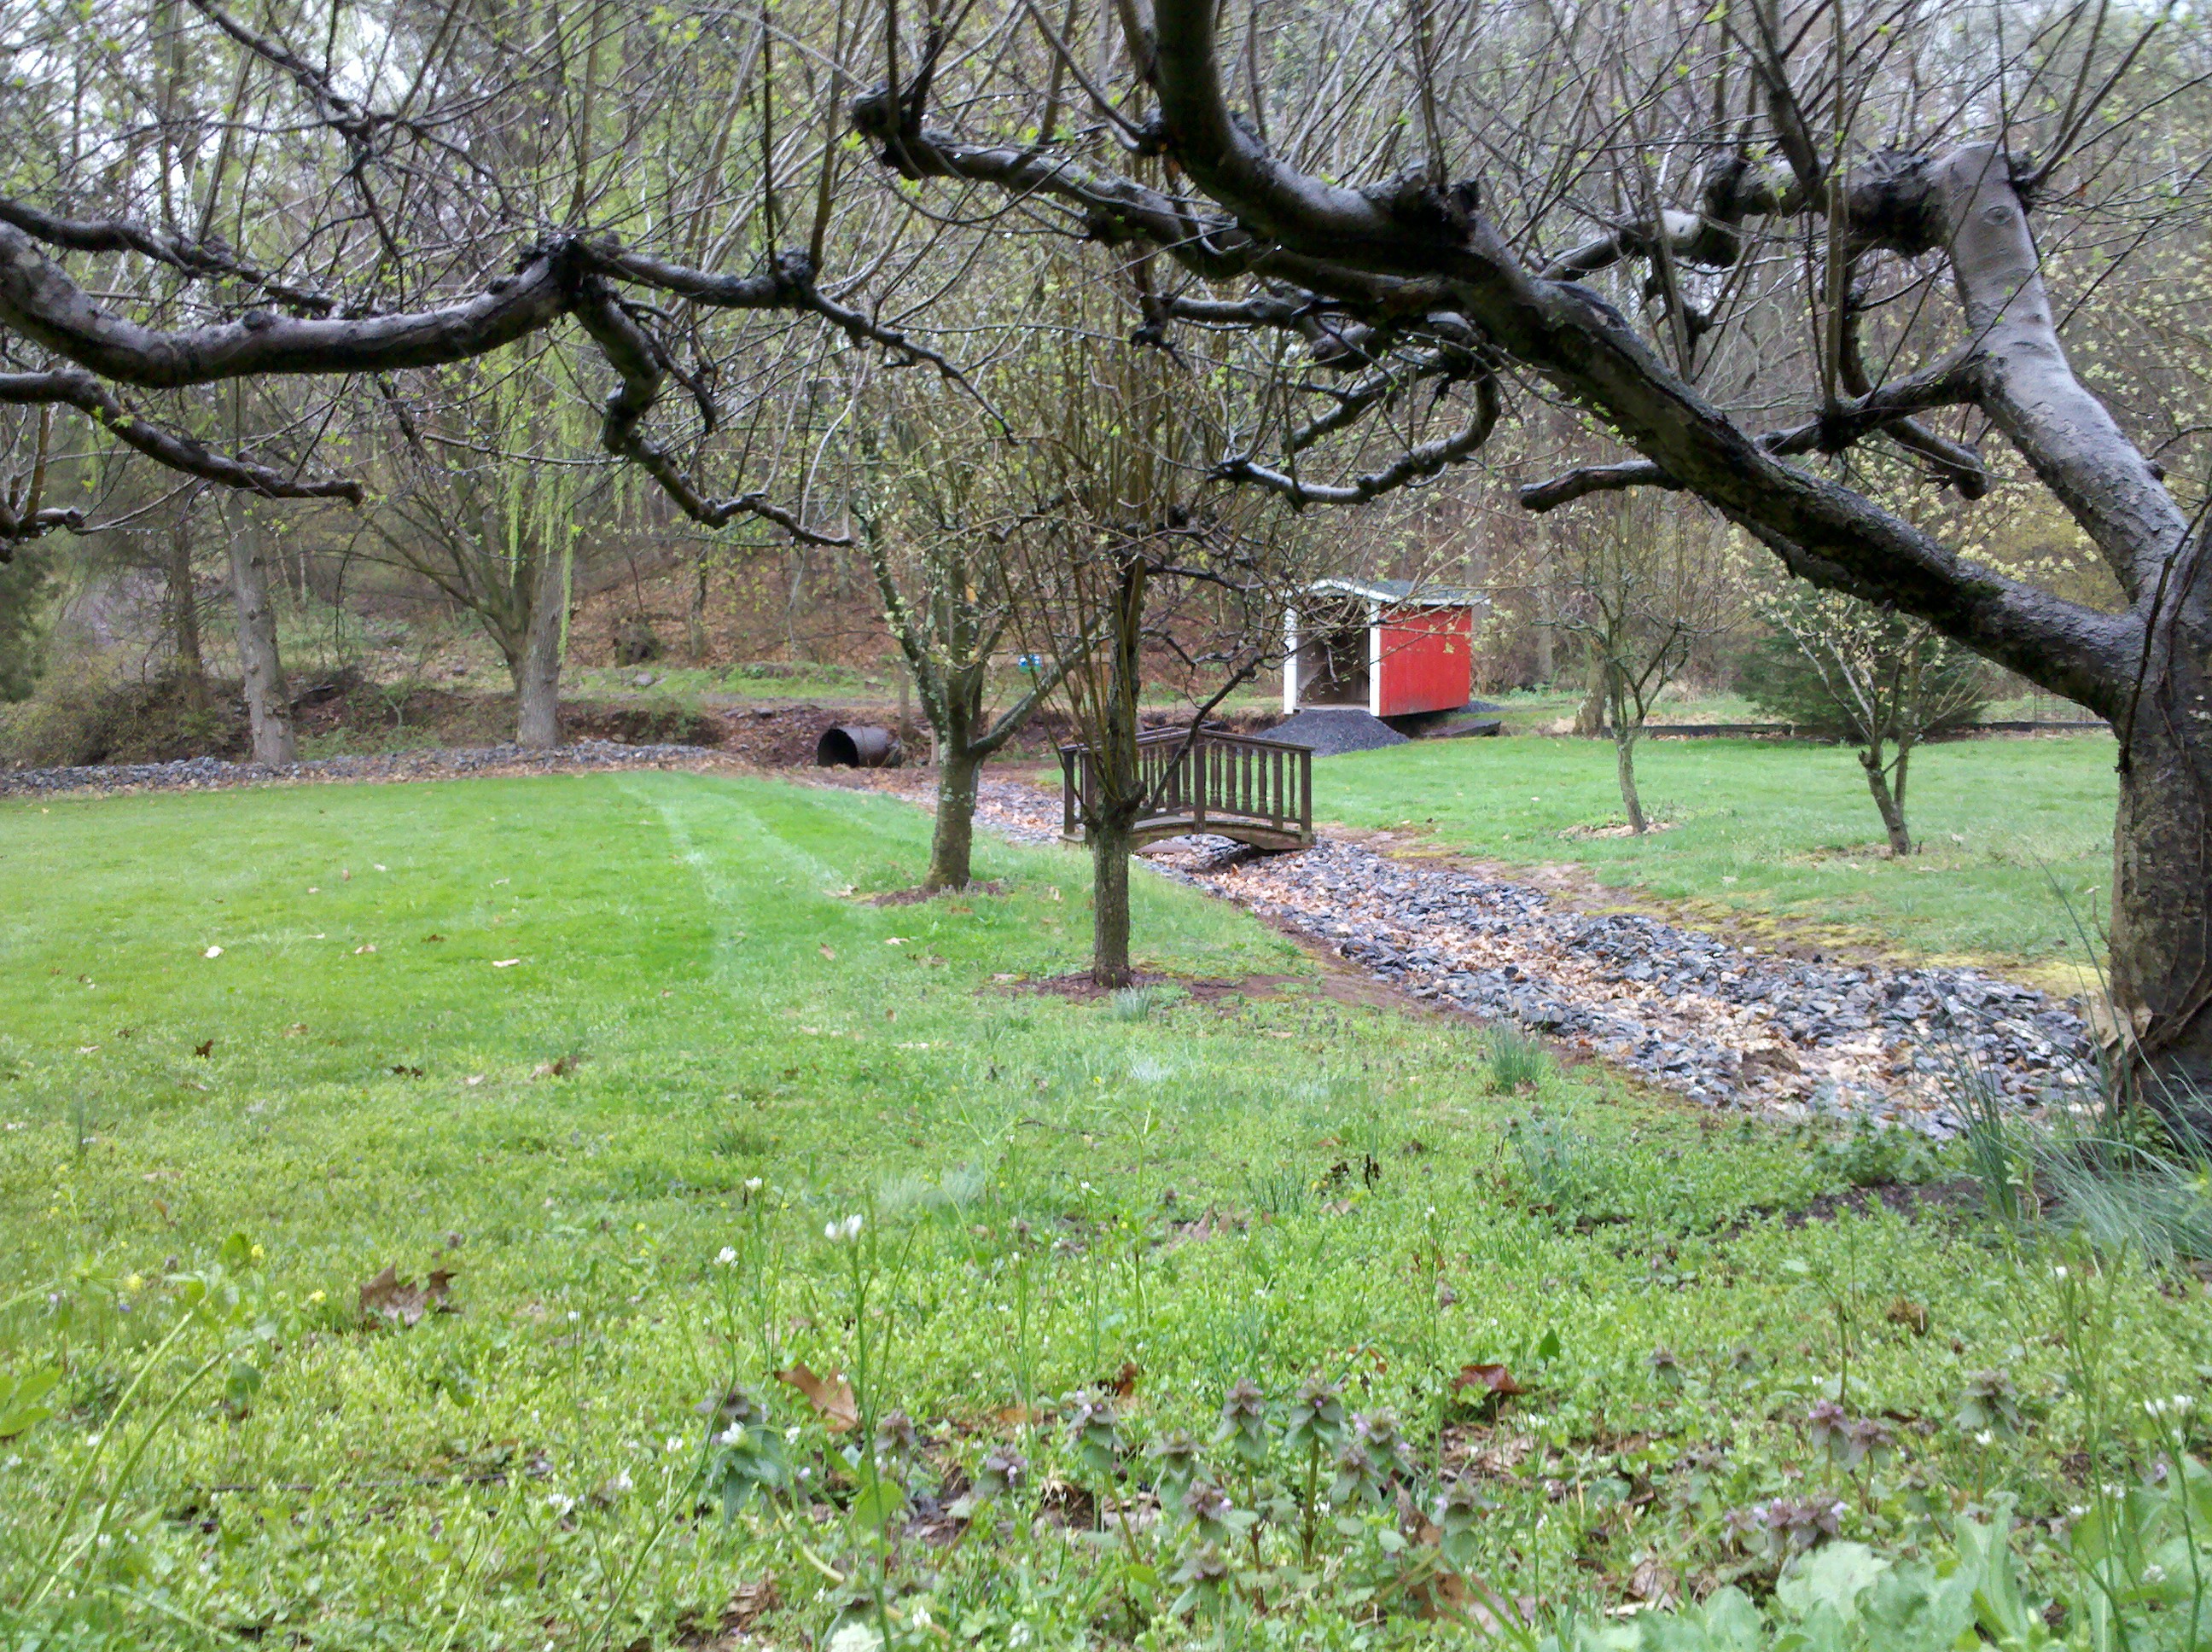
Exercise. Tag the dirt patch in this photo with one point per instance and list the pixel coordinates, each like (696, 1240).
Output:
(1905, 1199)
(916, 895)
(785, 737)
(648, 725)
(1079, 988)
(1617, 829)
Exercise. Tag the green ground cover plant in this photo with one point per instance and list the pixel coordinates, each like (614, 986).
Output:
(2016, 833)
(568, 1213)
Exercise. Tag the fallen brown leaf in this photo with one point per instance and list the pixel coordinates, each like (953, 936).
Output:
(204, 1048)
(1125, 1380)
(1911, 1314)
(831, 1396)
(402, 1302)
(1653, 1582)
(1488, 1378)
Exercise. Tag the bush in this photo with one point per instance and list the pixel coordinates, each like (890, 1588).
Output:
(81, 715)
(1782, 682)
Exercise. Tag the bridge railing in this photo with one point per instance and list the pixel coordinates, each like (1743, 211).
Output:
(1238, 785)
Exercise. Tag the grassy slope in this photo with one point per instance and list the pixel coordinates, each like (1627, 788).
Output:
(678, 933)
(1763, 828)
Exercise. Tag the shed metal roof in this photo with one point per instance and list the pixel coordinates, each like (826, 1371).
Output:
(1405, 592)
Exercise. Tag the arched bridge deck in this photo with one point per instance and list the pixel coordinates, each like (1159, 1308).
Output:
(1255, 791)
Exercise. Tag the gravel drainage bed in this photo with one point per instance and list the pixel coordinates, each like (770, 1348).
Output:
(1727, 1025)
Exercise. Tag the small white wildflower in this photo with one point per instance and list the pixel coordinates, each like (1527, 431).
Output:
(2154, 1407)
(843, 1232)
(573, 1317)
(673, 1444)
(2075, 1511)
(830, 1232)
(559, 1503)
(732, 1435)
(622, 1482)
(1984, 1438)
(726, 1256)
(791, 1437)
(2058, 1272)
(753, 1184)
(2182, 1402)
(2153, 1574)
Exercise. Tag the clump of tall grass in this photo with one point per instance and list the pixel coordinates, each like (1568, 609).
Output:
(1141, 1003)
(1517, 1061)
(2118, 1178)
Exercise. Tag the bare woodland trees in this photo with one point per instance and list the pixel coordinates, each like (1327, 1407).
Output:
(1793, 257)
(496, 532)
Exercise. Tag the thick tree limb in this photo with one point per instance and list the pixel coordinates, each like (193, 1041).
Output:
(2028, 389)
(204, 260)
(17, 525)
(40, 302)
(631, 354)
(1406, 229)
(80, 389)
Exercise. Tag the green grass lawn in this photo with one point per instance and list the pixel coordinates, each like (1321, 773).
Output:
(614, 1050)
(2016, 832)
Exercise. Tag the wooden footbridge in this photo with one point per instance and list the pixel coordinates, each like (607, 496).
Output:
(1256, 790)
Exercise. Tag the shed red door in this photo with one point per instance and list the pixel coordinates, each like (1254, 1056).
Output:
(1428, 662)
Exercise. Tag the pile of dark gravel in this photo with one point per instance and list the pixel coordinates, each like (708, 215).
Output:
(1331, 731)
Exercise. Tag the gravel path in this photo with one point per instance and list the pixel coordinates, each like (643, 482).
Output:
(202, 773)
(1726, 1025)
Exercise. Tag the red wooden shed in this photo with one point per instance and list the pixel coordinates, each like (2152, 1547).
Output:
(1390, 647)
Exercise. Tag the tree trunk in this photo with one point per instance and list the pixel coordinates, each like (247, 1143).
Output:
(696, 620)
(2161, 965)
(185, 612)
(1590, 716)
(268, 705)
(1109, 903)
(537, 670)
(1624, 753)
(953, 841)
(1891, 804)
